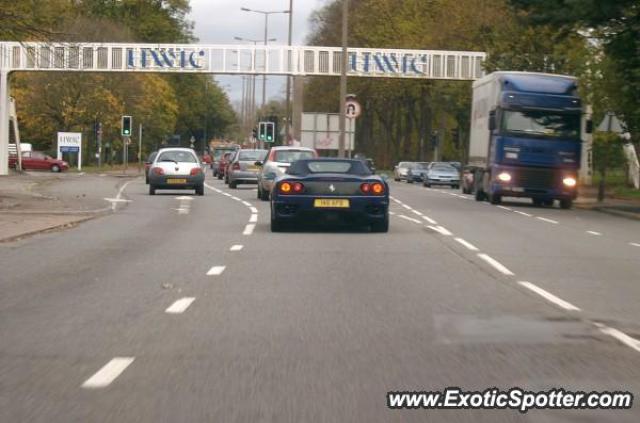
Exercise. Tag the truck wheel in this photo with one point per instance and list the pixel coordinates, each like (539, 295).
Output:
(547, 203)
(566, 203)
(479, 195)
(537, 202)
(495, 199)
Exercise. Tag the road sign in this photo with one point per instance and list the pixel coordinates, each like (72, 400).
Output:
(352, 108)
(70, 142)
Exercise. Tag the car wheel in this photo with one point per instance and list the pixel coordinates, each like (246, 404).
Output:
(233, 184)
(152, 190)
(264, 195)
(396, 179)
(566, 203)
(495, 199)
(200, 189)
(146, 179)
(381, 226)
(276, 225)
(547, 203)
(219, 176)
(55, 168)
(427, 184)
(537, 202)
(455, 186)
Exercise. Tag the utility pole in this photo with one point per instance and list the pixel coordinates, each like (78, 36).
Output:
(288, 61)
(140, 148)
(343, 78)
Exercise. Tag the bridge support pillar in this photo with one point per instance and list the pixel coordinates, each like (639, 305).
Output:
(4, 123)
(298, 106)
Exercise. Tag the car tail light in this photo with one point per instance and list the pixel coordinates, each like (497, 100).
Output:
(377, 188)
(195, 171)
(286, 188)
(365, 188)
(158, 171)
(298, 187)
(236, 166)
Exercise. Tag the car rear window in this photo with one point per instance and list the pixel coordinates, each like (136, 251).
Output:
(252, 155)
(444, 167)
(218, 152)
(290, 156)
(177, 156)
(350, 167)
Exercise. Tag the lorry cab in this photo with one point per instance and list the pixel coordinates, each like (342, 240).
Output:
(526, 137)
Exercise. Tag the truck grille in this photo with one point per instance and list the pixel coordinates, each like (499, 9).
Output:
(535, 178)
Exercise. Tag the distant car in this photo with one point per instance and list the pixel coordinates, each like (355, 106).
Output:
(218, 153)
(206, 159)
(330, 191)
(442, 173)
(401, 171)
(243, 169)
(276, 164)
(222, 164)
(176, 168)
(457, 165)
(36, 160)
(417, 171)
(147, 165)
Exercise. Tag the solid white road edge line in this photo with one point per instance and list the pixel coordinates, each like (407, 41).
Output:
(253, 210)
(216, 270)
(467, 244)
(246, 203)
(441, 230)
(108, 373)
(504, 208)
(410, 219)
(180, 305)
(549, 296)
(634, 244)
(496, 264)
(523, 213)
(248, 230)
(547, 220)
(236, 247)
(619, 335)
(594, 233)
(430, 220)
(253, 218)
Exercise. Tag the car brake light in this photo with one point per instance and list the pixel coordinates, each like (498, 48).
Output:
(298, 187)
(195, 171)
(365, 188)
(236, 166)
(158, 171)
(377, 188)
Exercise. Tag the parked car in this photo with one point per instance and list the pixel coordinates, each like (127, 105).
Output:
(222, 164)
(401, 171)
(442, 173)
(176, 168)
(277, 163)
(147, 165)
(39, 161)
(243, 168)
(417, 172)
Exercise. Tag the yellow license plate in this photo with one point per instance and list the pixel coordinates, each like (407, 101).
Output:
(331, 203)
(252, 168)
(176, 181)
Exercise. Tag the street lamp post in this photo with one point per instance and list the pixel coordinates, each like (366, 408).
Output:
(288, 116)
(343, 78)
(266, 29)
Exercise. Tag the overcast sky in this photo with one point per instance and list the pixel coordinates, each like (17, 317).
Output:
(219, 21)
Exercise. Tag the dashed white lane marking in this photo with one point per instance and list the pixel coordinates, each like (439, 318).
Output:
(253, 218)
(410, 219)
(237, 199)
(523, 213)
(406, 207)
(441, 230)
(108, 373)
(467, 244)
(236, 247)
(549, 296)
(180, 305)
(496, 264)
(544, 219)
(118, 199)
(253, 210)
(216, 270)
(619, 335)
(634, 244)
(246, 203)
(248, 230)
(430, 220)
(416, 212)
(594, 233)
(392, 213)
(504, 208)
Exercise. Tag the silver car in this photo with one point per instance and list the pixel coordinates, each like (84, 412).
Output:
(401, 171)
(243, 168)
(277, 163)
(176, 168)
(442, 174)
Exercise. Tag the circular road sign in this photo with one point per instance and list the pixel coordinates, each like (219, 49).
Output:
(352, 109)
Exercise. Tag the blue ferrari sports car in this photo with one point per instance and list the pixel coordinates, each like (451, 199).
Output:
(330, 191)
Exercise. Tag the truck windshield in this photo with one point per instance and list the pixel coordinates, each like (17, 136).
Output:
(536, 122)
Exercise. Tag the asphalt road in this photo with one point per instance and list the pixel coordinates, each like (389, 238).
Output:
(179, 308)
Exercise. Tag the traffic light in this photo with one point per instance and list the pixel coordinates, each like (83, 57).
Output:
(255, 134)
(127, 122)
(270, 132)
(262, 131)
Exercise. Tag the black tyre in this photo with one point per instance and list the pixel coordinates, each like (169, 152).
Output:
(495, 199)
(427, 184)
(566, 203)
(219, 176)
(264, 195)
(396, 179)
(479, 195)
(200, 190)
(146, 179)
(152, 190)
(55, 168)
(547, 203)
(455, 186)
(381, 226)
(233, 184)
(276, 225)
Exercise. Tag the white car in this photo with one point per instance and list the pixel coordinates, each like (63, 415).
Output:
(176, 168)
(276, 164)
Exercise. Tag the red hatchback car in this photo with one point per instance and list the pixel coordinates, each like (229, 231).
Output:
(39, 161)
(223, 163)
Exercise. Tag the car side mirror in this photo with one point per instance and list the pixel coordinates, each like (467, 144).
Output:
(589, 127)
(492, 121)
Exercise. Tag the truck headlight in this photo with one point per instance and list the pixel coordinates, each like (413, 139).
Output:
(504, 177)
(569, 181)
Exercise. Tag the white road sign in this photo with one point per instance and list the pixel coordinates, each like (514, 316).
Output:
(352, 109)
